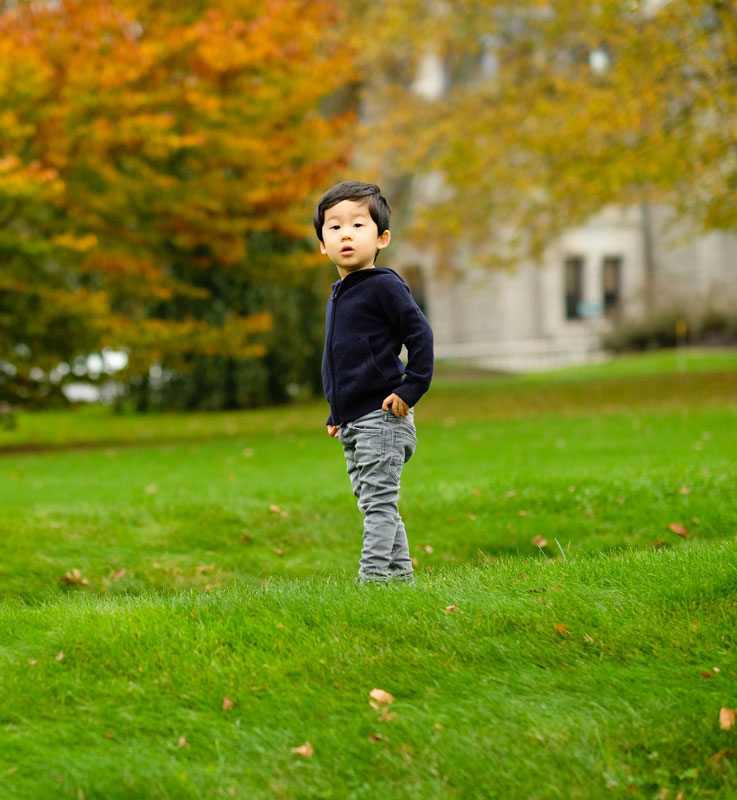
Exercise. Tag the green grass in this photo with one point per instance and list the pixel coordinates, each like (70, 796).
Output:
(218, 554)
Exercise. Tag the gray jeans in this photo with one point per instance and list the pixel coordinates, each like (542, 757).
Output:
(376, 447)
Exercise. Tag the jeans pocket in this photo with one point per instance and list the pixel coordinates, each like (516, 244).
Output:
(403, 444)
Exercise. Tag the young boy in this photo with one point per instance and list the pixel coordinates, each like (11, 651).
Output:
(370, 315)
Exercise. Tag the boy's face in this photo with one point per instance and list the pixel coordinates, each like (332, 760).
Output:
(350, 237)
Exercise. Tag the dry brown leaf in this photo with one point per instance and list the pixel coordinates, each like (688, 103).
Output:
(32, 662)
(193, 614)
(415, 562)
(228, 703)
(274, 509)
(523, 514)
(377, 737)
(727, 718)
(303, 750)
(679, 529)
(60, 655)
(538, 541)
(658, 543)
(109, 734)
(561, 628)
(718, 756)
(451, 609)
(684, 490)
(75, 578)
(246, 537)
(118, 574)
(278, 551)
(705, 674)
(209, 587)
(182, 742)
(427, 548)
(381, 696)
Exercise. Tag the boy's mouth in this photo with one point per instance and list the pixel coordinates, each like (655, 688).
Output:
(346, 251)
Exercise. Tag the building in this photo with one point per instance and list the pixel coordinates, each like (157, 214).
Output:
(623, 264)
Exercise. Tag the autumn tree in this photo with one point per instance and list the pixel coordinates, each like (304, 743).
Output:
(157, 166)
(544, 112)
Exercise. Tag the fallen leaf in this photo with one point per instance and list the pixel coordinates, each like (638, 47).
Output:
(705, 674)
(205, 567)
(109, 734)
(182, 742)
(451, 609)
(303, 750)
(60, 655)
(274, 509)
(209, 587)
(512, 493)
(523, 514)
(381, 696)
(246, 537)
(716, 669)
(538, 541)
(32, 662)
(278, 551)
(658, 543)
(717, 757)
(152, 488)
(193, 614)
(557, 587)
(684, 490)
(415, 562)
(472, 517)
(75, 578)
(377, 737)
(476, 492)
(588, 639)
(561, 628)
(727, 718)
(679, 529)
(428, 548)
(228, 703)
(118, 574)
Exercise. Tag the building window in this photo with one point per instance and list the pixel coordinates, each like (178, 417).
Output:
(611, 276)
(573, 286)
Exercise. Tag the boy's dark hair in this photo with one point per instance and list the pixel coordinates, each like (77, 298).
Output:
(354, 190)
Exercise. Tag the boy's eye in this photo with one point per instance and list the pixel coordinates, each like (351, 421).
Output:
(334, 227)
(358, 224)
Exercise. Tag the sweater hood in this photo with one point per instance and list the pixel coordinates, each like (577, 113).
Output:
(364, 274)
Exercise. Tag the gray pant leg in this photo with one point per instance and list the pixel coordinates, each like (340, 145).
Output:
(376, 448)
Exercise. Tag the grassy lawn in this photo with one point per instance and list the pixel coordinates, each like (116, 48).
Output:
(152, 566)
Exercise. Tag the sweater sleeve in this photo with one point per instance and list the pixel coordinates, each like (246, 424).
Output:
(417, 337)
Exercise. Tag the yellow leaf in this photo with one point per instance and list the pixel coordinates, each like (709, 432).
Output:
(304, 750)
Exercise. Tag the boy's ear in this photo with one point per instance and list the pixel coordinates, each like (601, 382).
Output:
(384, 240)
(323, 249)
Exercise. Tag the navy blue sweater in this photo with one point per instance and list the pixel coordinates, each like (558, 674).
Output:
(370, 315)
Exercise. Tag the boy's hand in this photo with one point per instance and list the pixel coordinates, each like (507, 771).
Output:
(333, 431)
(396, 405)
